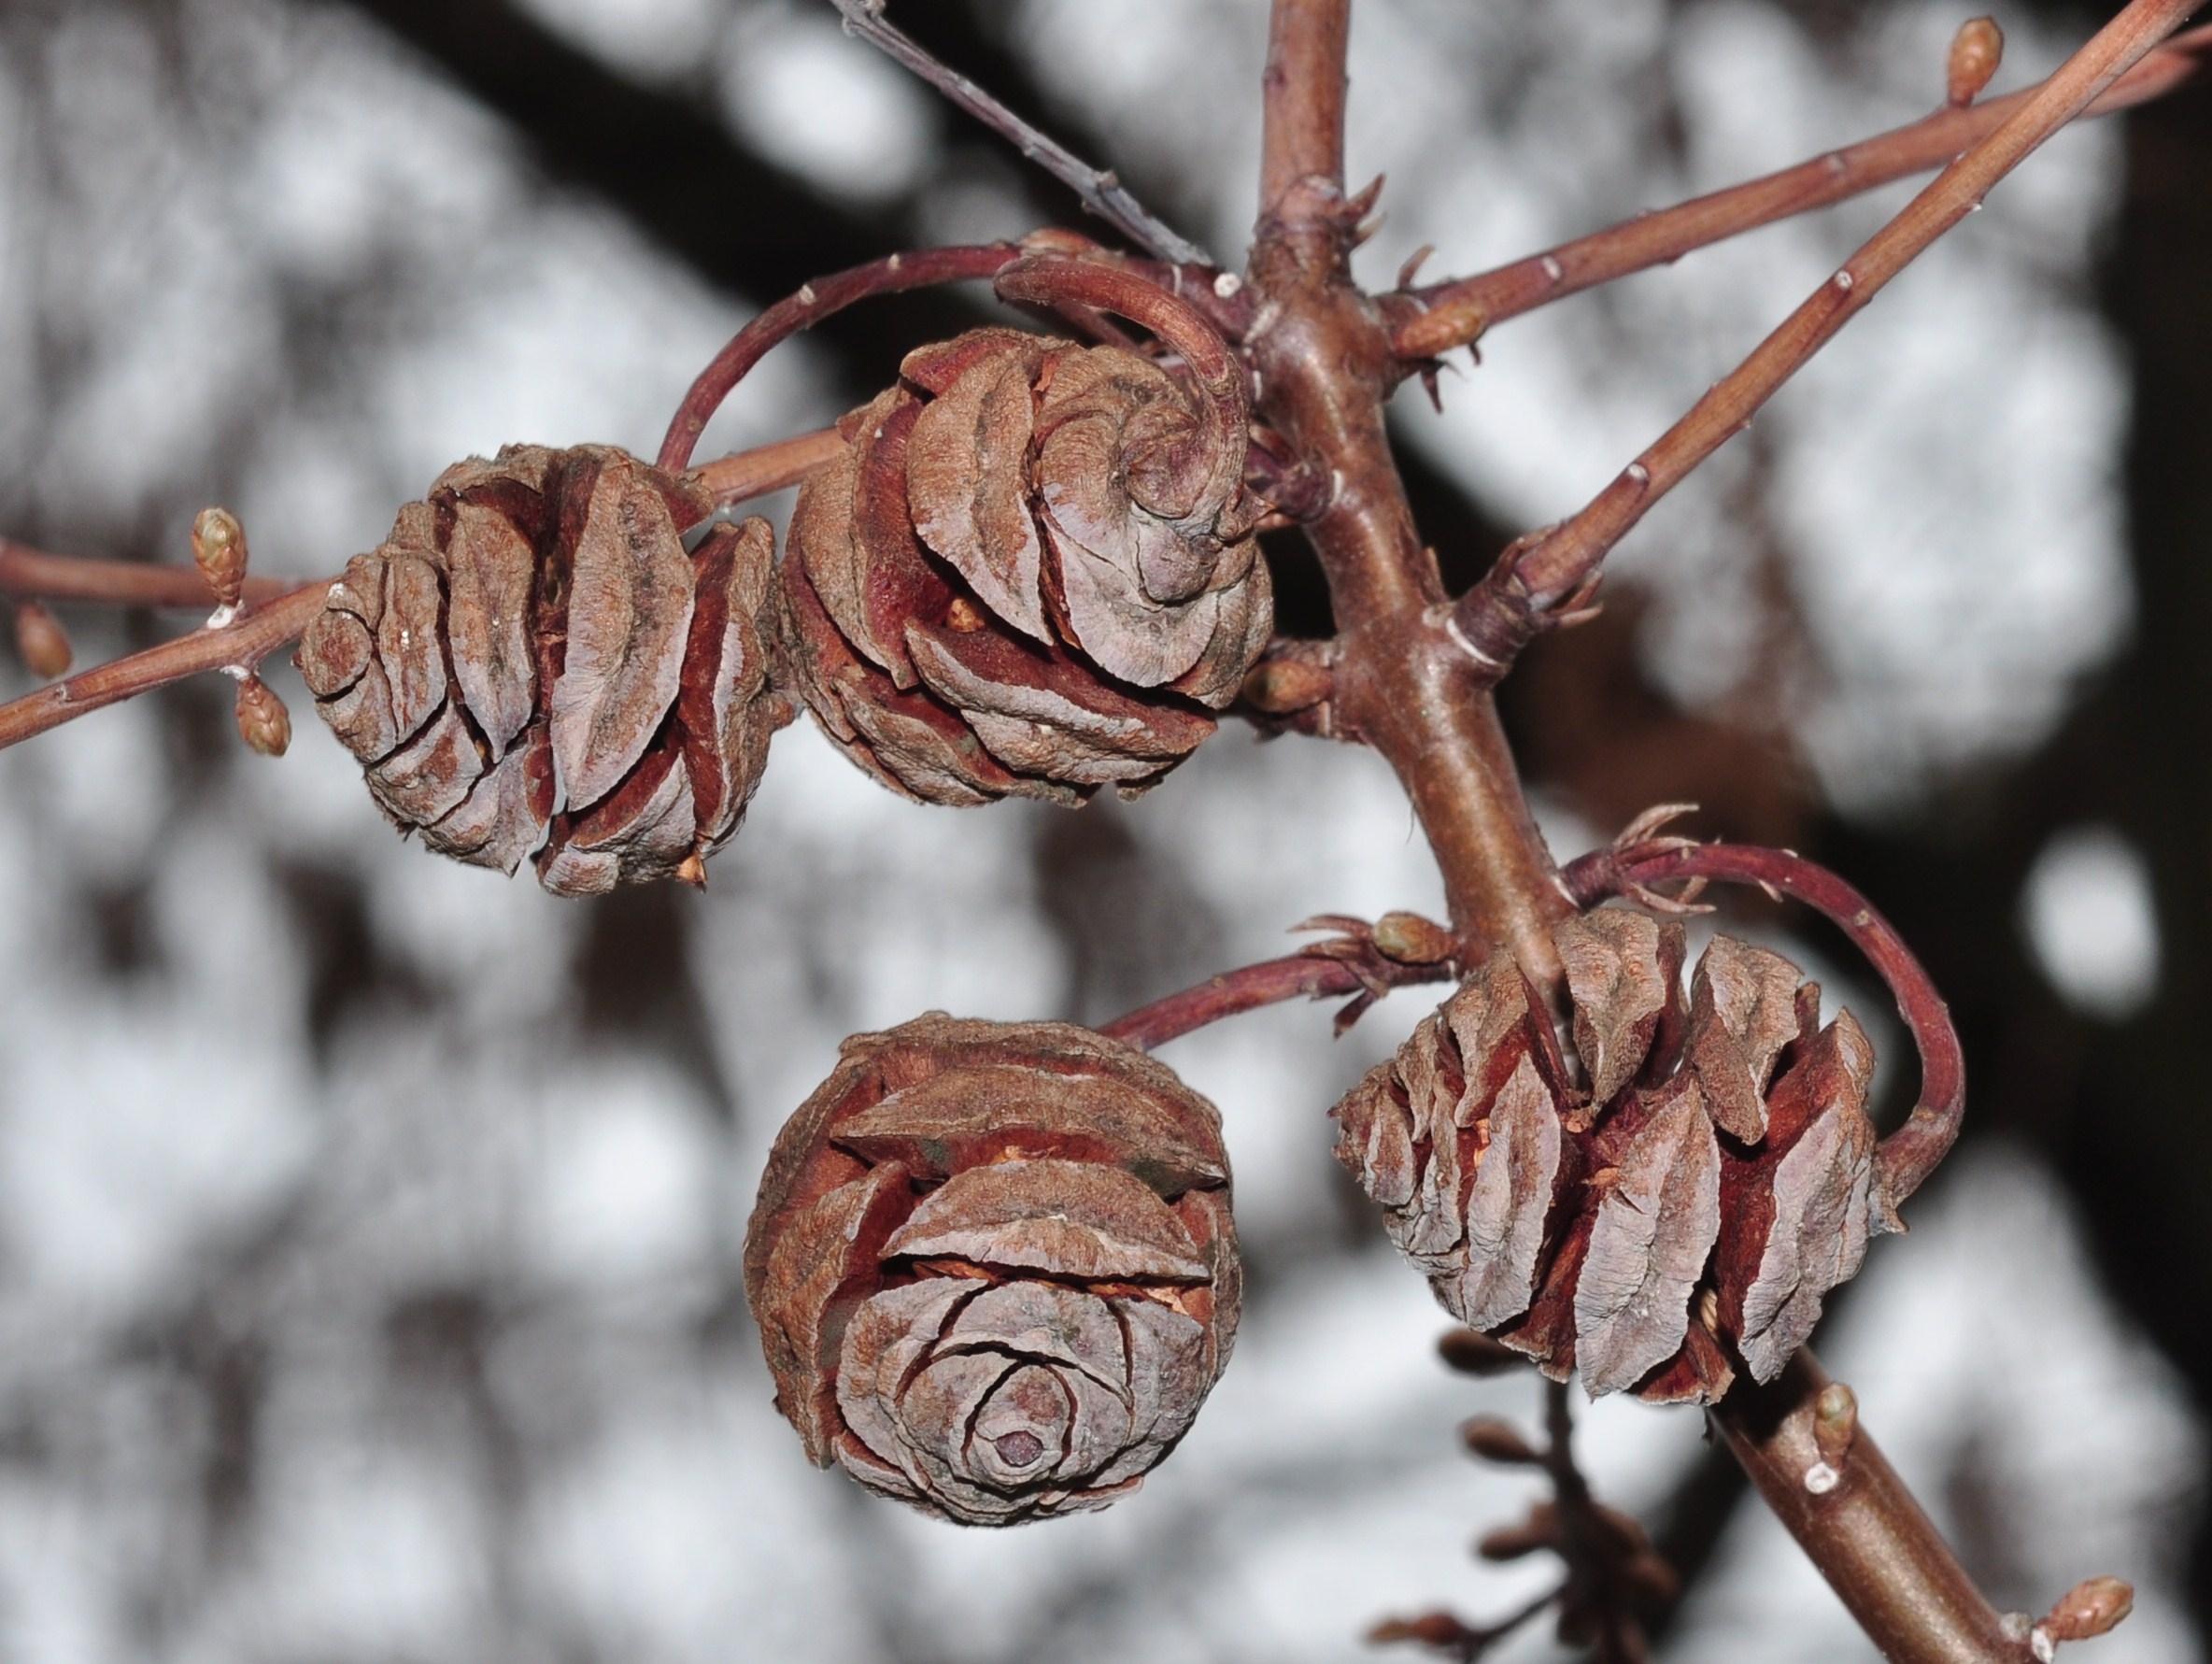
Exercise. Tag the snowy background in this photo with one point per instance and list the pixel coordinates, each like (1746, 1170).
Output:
(369, 1224)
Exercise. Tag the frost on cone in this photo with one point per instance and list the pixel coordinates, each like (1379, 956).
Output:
(1682, 1213)
(1031, 572)
(994, 1268)
(531, 664)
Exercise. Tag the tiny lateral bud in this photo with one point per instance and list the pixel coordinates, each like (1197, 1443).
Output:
(1539, 1531)
(42, 641)
(1472, 1353)
(219, 549)
(263, 723)
(2090, 1609)
(1834, 1421)
(1431, 1629)
(1975, 51)
(1437, 331)
(1497, 1441)
(1282, 686)
(1413, 940)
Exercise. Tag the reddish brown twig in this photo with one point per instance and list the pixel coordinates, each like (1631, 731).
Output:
(1547, 568)
(246, 643)
(1323, 366)
(748, 473)
(1348, 963)
(1049, 280)
(1441, 1632)
(1613, 1575)
(1100, 189)
(1910, 1154)
(1870, 1539)
(1440, 316)
(27, 573)
(893, 273)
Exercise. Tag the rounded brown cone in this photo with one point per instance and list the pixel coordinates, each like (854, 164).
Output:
(994, 1267)
(531, 664)
(1031, 572)
(1678, 1214)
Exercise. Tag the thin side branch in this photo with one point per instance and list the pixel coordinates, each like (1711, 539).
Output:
(748, 473)
(1306, 975)
(262, 632)
(1101, 189)
(1442, 316)
(32, 574)
(1550, 566)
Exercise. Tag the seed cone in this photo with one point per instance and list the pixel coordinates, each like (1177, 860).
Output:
(994, 1267)
(1030, 572)
(1681, 1217)
(531, 664)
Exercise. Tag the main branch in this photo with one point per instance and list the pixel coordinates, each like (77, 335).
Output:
(1323, 366)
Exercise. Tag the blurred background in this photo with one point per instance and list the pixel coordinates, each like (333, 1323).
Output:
(369, 1224)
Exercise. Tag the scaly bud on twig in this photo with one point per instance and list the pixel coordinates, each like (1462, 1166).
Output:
(1413, 940)
(1539, 1530)
(1280, 686)
(1834, 1421)
(1975, 51)
(1495, 1440)
(219, 549)
(263, 723)
(1439, 1629)
(1472, 1353)
(2083, 1613)
(42, 641)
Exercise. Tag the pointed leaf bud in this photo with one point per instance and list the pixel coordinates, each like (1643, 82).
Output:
(263, 723)
(1539, 1530)
(1497, 1441)
(1284, 686)
(1834, 1421)
(1975, 51)
(1413, 940)
(1439, 1629)
(1473, 1353)
(42, 641)
(2090, 1609)
(219, 549)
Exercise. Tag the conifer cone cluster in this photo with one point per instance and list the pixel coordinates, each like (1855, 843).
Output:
(1031, 572)
(531, 665)
(1679, 1214)
(994, 1267)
